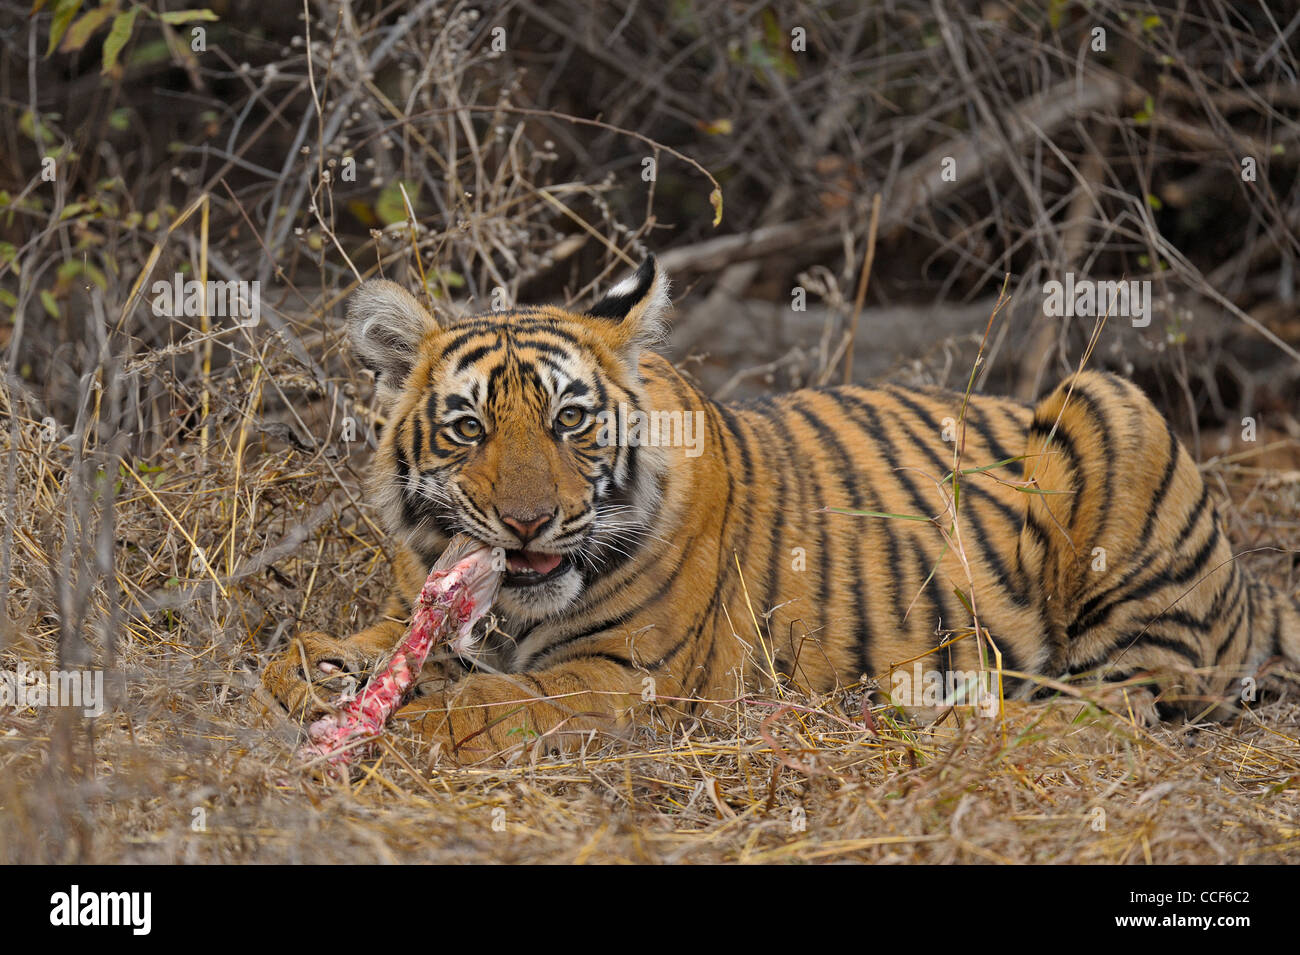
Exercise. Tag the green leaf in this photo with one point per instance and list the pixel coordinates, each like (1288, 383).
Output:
(9, 257)
(51, 305)
(27, 126)
(118, 34)
(148, 52)
(120, 119)
(82, 30)
(439, 277)
(776, 53)
(64, 11)
(390, 207)
(1054, 10)
(73, 268)
(1143, 116)
(186, 16)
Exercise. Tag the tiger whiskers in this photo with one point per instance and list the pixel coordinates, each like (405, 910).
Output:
(621, 537)
(428, 492)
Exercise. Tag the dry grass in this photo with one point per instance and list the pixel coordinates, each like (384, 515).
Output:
(789, 780)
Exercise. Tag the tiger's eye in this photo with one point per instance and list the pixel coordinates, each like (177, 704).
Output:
(571, 416)
(468, 429)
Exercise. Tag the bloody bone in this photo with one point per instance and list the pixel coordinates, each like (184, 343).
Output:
(459, 591)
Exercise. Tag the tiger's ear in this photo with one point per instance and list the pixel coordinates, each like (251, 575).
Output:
(386, 325)
(638, 308)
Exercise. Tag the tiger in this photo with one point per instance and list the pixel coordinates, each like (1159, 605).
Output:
(825, 538)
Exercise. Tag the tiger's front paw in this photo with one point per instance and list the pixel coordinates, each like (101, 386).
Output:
(307, 677)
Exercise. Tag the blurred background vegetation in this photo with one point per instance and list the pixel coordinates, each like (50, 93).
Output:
(1103, 138)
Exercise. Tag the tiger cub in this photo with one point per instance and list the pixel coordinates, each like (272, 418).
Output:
(664, 552)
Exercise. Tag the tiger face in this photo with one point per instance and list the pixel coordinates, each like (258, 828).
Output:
(499, 428)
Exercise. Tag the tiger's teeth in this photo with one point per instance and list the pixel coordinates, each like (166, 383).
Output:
(529, 561)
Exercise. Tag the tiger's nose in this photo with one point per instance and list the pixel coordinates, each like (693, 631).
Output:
(526, 527)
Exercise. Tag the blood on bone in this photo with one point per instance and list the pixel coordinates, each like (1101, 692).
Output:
(452, 600)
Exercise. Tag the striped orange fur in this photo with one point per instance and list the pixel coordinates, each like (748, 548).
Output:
(651, 582)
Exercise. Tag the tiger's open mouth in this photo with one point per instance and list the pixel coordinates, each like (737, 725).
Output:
(526, 568)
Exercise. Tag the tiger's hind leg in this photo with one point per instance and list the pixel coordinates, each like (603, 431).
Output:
(1138, 575)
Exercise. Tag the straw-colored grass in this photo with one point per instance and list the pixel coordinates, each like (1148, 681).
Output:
(184, 768)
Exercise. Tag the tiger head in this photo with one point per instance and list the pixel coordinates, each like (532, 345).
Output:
(497, 427)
